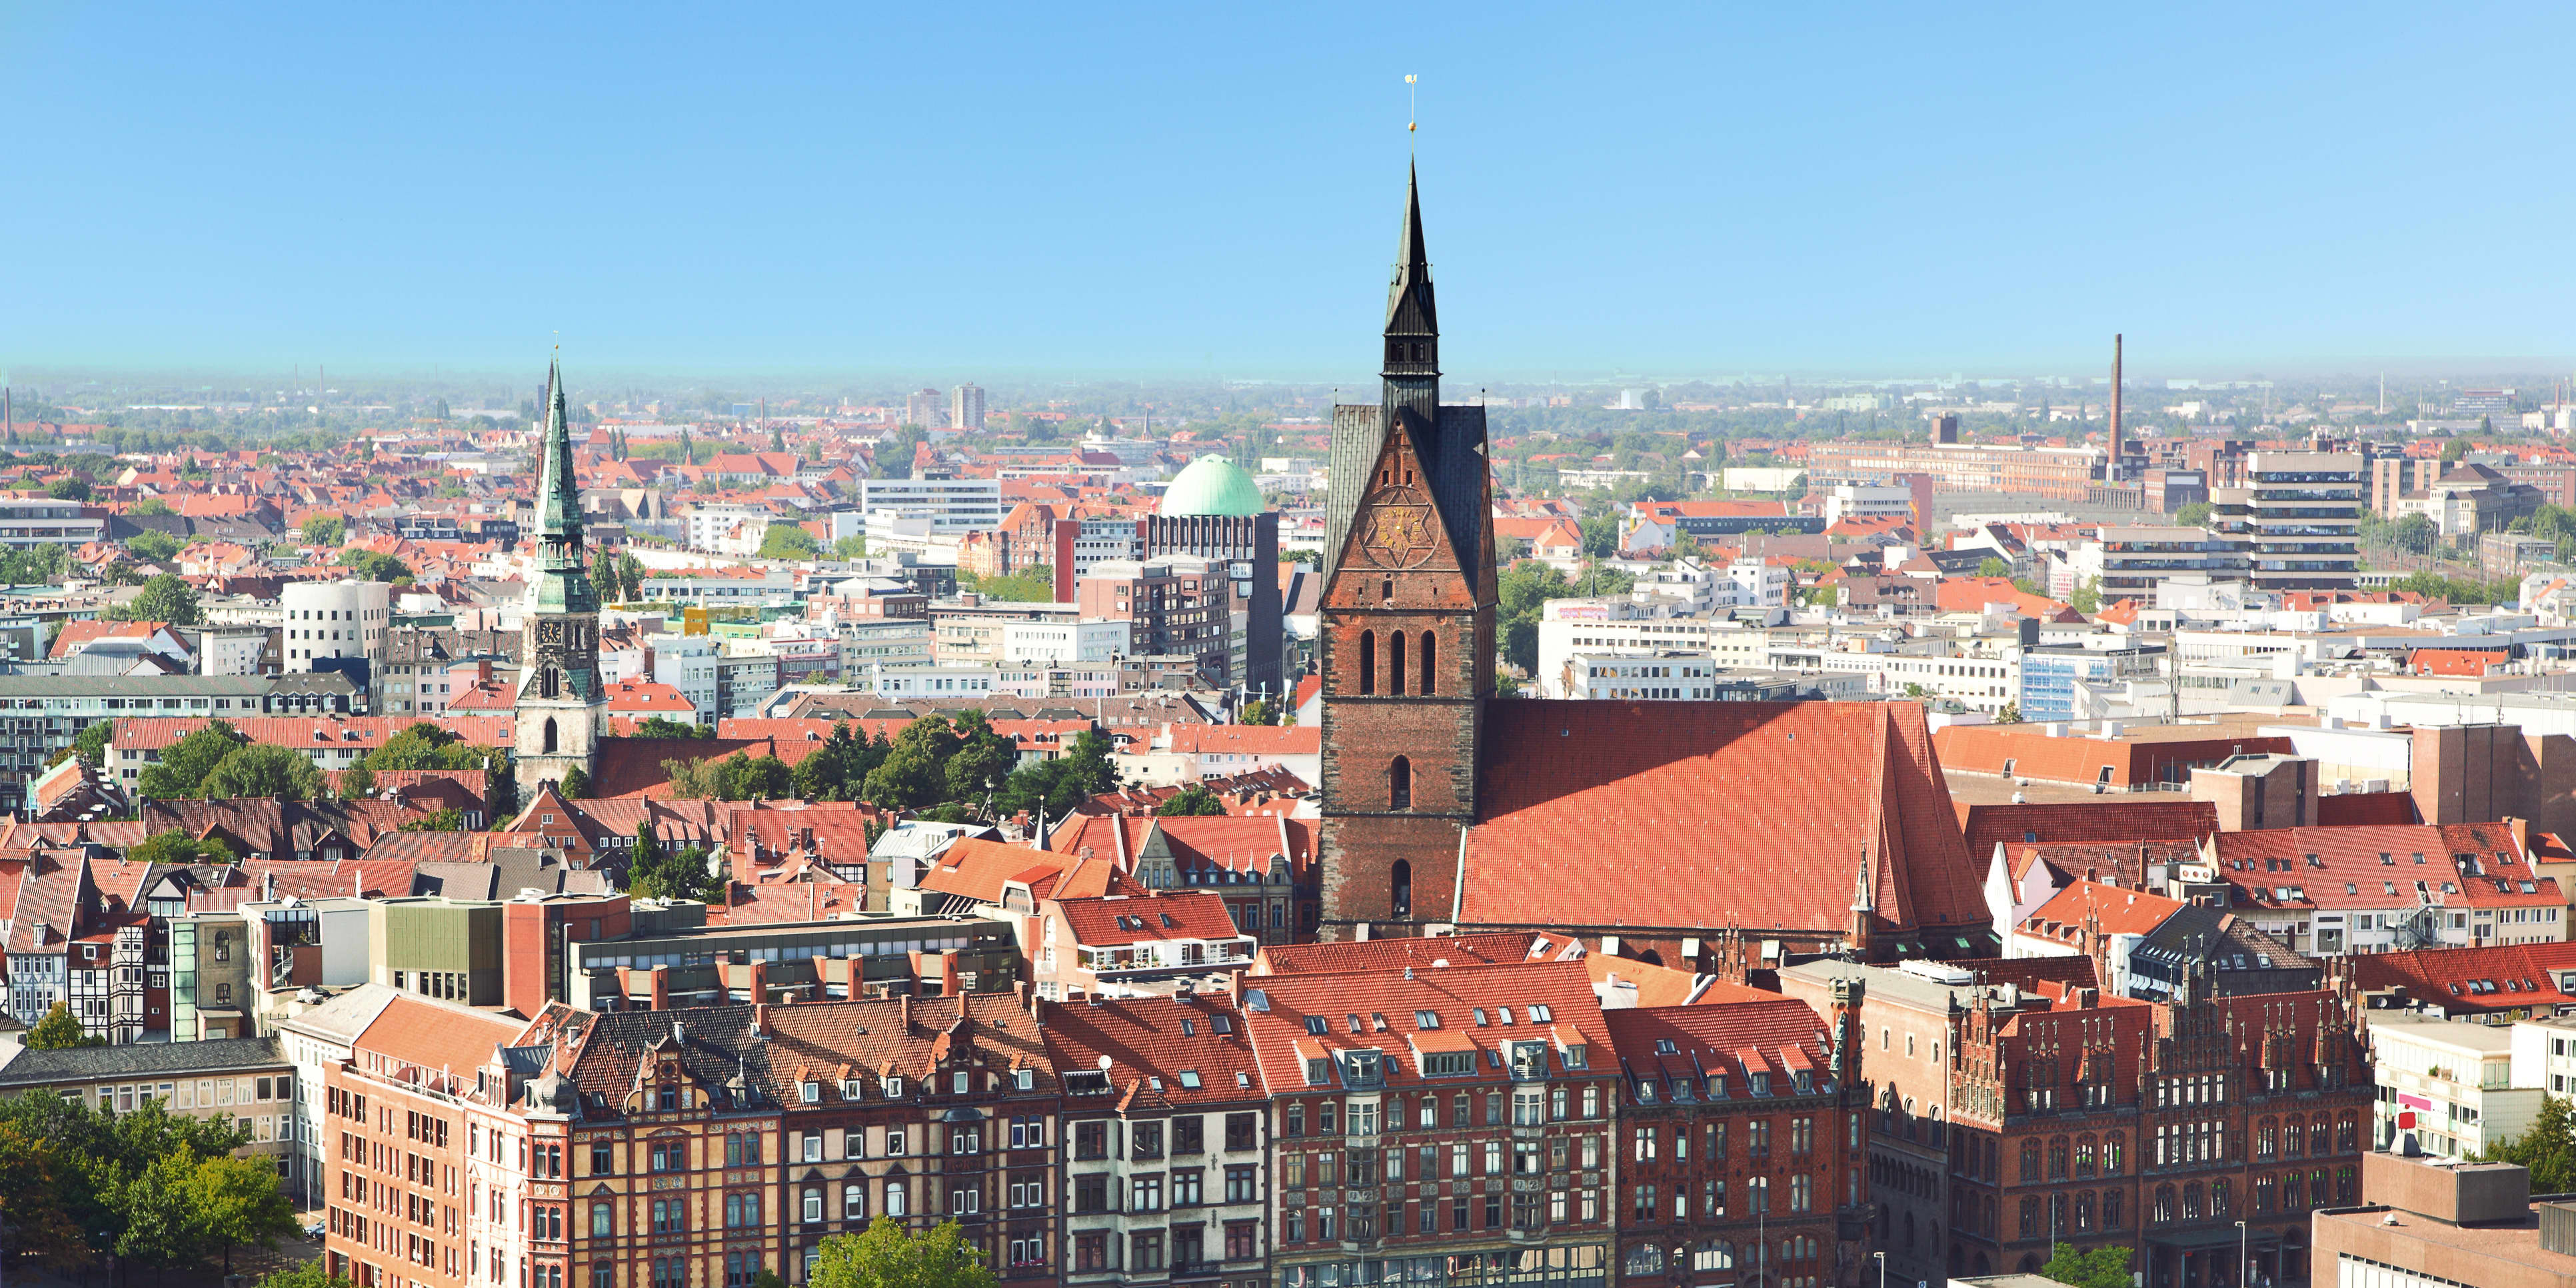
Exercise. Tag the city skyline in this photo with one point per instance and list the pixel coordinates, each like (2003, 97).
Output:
(1692, 193)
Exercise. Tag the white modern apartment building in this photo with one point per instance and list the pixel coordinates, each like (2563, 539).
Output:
(1860, 501)
(954, 505)
(44, 521)
(1059, 643)
(329, 619)
(892, 643)
(2454, 1083)
(1979, 674)
(727, 527)
(926, 682)
(687, 663)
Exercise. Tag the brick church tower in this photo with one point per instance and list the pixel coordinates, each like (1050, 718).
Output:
(1408, 627)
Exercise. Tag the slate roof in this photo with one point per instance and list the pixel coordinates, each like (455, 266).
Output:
(35, 1068)
(1597, 814)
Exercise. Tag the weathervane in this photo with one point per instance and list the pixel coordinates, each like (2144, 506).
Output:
(1410, 123)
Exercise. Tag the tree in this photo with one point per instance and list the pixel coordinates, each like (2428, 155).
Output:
(1525, 589)
(2458, 447)
(235, 1201)
(33, 1219)
(153, 544)
(575, 785)
(851, 547)
(371, 566)
(665, 727)
(2087, 597)
(2547, 1147)
(264, 769)
(59, 1031)
(182, 770)
(324, 530)
(68, 489)
(1260, 712)
(159, 1227)
(1601, 535)
(982, 761)
(1991, 566)
(2415, 534)
(175, 846)
(2011, 714)
(2194, 515)
(309, 1274)
(1032, 585)
(164, 598)
(357, 782)
(1082, 771)
(630, 575)
(2100, 1268)
(148, 506)
(886, 1255)
(450, 819)
(423, 745)
(34, 564)
(789, 541)
(1193, 801)
(90, 744)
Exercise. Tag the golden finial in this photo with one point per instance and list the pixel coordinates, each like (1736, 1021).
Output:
(1410, 125)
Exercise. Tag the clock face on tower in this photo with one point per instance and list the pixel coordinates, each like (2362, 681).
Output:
(1397, 532)
(550, 632)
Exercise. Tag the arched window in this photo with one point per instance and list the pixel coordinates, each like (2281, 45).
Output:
(1430, 663)
(1399, 781)
(550, 733)
(1395, 662)
(1400, 894)
(1368, 662)
(2029, 1160)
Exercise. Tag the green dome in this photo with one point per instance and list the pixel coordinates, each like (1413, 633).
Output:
(1211, 485)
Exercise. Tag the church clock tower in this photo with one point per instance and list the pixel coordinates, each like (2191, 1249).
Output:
(563, 706)
(1408, 627)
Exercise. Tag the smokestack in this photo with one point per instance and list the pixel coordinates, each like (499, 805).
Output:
(2111, 470)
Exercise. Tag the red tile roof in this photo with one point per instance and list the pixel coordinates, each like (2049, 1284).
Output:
(2478, 865)
(1550, 1001)
(1157, 1048)
(1597, 814)
(2100, 821)
(2475, 979)
(1110, 920)
(1390, 956)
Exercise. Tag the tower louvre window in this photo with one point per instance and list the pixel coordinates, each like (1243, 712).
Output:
(1368, 662)
(1395, 663)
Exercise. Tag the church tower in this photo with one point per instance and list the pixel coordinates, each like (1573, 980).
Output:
(563, 706)
(1408, 627)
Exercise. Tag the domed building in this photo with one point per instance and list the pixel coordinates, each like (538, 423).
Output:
(1213, 511)
(1212, 485)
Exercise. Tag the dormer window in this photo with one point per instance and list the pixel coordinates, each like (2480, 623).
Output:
(850, 1089)
(812, 1092)
(959, 1082)
(893, 1087)
(1024, 1079)
(1761, 1084)
(1319, 1072)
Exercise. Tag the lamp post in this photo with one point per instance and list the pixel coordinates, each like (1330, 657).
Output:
(1882, 1268)
(2244, 1256)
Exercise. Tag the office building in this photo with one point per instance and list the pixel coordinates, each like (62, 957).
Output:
(966, 408)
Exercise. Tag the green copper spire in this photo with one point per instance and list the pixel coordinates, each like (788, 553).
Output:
(564, 584)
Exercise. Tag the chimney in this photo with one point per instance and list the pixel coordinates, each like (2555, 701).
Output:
(904, 1005)
(661, 988)
(759, 1010)
(2521, 828)
(2112, 470)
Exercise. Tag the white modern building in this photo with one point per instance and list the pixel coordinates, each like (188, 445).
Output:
(954, 505)
(332, 619)
(1061, 642)
(44, 521)
(687, 663)
(2451, 1084)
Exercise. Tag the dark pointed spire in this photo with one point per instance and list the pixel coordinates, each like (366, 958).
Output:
(558, 495)
(1409, 310)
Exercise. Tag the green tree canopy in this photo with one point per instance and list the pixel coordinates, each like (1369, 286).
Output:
(164, 598)
(370, 566)
(1079, 772)
(68, 489)
(324, 530)
(2415, 534)
(234, 1201)
(1031, 585)
(150, 505)
(2547, 1147)
(789, 541)
(2099, 1268)
(886, 1255)
(2194, 515)
(153, 545)
(263, 769)
(1991, 566)
(58, 1031)
(1193, 801)
(90, 744)
(182, 770)
(665, 727)
(175, 846)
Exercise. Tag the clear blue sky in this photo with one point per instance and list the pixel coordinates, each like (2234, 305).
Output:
(952, 189)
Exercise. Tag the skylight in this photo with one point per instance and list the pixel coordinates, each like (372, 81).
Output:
(1189, 1079)
(1315, 1024)
(1426, 1019)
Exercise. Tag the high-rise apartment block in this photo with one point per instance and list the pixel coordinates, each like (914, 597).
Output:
(966, 408)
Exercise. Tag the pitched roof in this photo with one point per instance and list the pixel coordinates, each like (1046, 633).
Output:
(1596, 814)
(1986, 825)
(1389, 956)
(35, 1067)
(1162, 1051)
(1472, 1008)
(432, 1035)
(1669, 1044)
(1110, 920)
(2474, 979)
